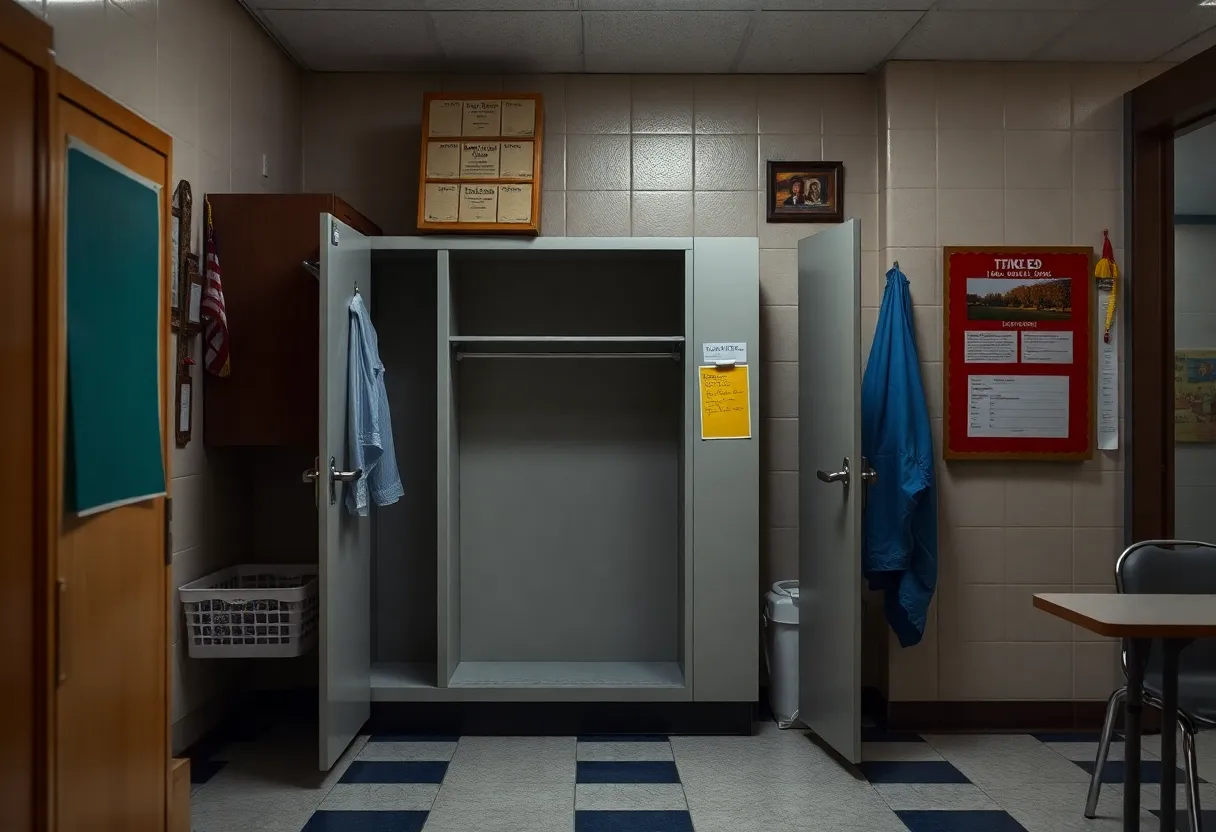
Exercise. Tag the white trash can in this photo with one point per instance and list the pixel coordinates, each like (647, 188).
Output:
(780, 620)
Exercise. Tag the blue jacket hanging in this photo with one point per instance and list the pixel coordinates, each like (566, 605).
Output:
(900, 520)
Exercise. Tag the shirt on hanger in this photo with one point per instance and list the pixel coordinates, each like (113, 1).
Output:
(370, 428)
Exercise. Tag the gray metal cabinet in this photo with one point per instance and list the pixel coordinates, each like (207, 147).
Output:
(566, 534)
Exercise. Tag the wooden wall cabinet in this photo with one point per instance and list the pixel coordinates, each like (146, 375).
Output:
(263, 240)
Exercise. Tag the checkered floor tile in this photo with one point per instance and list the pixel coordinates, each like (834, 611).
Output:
(774, 781)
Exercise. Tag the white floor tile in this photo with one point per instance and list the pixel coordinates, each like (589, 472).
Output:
(637, 797)
(1005, 759)
(898, 752)
(934, 797)
(1061, 808)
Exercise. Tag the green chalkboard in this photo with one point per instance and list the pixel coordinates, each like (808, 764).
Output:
(113, 443)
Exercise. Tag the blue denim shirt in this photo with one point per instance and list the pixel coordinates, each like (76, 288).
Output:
(900, 521)
(368, 422)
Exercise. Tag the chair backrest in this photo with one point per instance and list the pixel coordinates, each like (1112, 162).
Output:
(1172, 567)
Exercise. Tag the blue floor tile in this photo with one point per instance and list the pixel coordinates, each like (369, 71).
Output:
(622, 738)
(627, 772)
(632, 822)
(960, 822)
(1181, 824)
(1112, 772)
(366, 822)
(201, 771)
(412, 738)
(368, 771)
(937, 771)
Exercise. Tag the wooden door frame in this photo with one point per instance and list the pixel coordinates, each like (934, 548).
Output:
(30, 39)
(1153, 113)
(72, 90)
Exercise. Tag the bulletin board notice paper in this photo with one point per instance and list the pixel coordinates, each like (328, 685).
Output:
(1007, 406)
(725, 402)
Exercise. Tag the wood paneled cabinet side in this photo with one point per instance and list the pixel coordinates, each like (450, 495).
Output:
(269, 397)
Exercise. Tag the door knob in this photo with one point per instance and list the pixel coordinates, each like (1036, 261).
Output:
(336, 476)
(868, 475)
(837, 476)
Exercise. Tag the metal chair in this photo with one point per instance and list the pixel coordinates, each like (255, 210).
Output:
(1178, 567)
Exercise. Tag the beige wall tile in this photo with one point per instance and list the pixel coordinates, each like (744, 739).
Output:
(1096, 669)
(778, 388)
(972, 555)
(973, 671)
(1039, 217)
(970, 217)
(911, 217)
(1097, 94)
(779, 277)
(1038, 158)
(927, 322)
(553, 97)
(725, 104)
(911, 159)
(968, 97)
(971, 159)
(597, 213)
(850, 105)
(1098, 499)
(860, 156)
(662, 213)
(1092, 213)
(597, 163)
(553, 163)
(662, 103)
(790, 104)
(872, 279)
(723, 214)
(779, 333)
(931, 378)
(973, 612)
(724, 163)
(553, 214)
(779, 444)
(178, 70)
(1037, 498)
(1038, 670)
(1039, 556)
(864, 207)
(598, 104)
(80, 39)
(869, 320)
(971, 495)
(910, 96)
(1094, 552)
(912, 674)
(662, 163)
(131, 59)
(1097, 160)
(780, 496)
(1037, 97)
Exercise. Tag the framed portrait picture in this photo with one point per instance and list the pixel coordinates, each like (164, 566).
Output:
(805, 191)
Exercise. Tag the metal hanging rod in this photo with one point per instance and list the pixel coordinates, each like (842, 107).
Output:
(461, 355)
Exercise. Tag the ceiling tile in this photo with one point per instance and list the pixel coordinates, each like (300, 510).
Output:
(336, 5)
(1128, 36)
(512, 38)
(1192, 47)
(982, 35)
(667, 5)
(662, 41)
(1021, 5)
(502, 5)
(823, 41)
(337, 41)
(847, 5)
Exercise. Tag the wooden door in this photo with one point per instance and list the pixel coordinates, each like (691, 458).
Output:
(25, 65)
(113, 695)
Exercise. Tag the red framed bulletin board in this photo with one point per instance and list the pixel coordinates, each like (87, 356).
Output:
(1019, 353)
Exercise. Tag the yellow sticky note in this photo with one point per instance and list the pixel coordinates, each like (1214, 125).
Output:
(725, 405)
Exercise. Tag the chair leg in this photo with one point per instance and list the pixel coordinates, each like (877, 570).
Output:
(1108, 729)
(1193, 808)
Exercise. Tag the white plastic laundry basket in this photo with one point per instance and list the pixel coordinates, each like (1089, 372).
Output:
(780, 619)
(251, 611)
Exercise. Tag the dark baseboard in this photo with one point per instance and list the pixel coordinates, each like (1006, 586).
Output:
(1004, 716)
(561, 719)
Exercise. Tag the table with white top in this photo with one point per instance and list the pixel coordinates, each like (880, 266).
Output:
(1175, 619)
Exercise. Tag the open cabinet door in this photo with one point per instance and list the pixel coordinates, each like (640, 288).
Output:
(830, 486)
(344, 553)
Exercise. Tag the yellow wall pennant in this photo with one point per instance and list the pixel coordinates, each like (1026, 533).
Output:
(725, 402)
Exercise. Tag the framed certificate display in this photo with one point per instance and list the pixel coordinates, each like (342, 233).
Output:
(1018, 325)
(480, 168)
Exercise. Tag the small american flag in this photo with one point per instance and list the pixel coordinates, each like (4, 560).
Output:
(215, 319)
